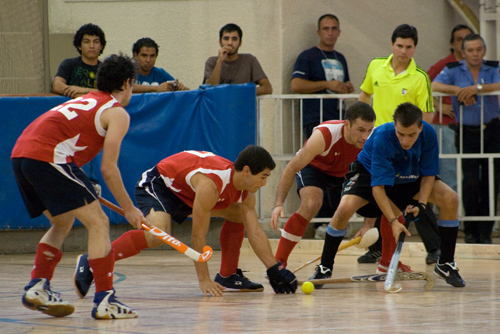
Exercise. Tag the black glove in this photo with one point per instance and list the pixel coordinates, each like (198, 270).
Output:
(282, 280)
(421, 211)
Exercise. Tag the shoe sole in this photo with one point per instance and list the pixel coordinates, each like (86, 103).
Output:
(111, 317)
(244, 290)
(52, 310)
(80, 291)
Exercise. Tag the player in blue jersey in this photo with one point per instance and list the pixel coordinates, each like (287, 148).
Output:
(399, 163)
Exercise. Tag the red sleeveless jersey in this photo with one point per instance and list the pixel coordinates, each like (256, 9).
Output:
(70, 132)
(178, 169)
(339, 154)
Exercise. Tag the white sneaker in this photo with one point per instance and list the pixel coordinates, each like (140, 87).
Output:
(106, 306)
(320, 232)
(39, 297)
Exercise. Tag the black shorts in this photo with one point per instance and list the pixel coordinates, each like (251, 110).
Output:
(58, 188)
(154, 194)
(331, 185)
(358, 182)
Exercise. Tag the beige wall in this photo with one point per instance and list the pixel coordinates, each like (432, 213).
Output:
(275, 31)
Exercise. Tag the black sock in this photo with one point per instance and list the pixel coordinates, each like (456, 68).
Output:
(448, 243)
(330, 249)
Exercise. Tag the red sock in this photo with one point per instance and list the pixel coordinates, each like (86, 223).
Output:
(294, 229)
(231, 238)
(102, 269)
(388, 242)
(129, 244)
(46, 260)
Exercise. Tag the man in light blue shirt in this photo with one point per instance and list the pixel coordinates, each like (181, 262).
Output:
(464, 80)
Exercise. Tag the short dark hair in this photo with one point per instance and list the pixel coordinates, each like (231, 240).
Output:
(405, 31)
(456, 28)
(91, 30)
(408, 114)
(144, 42)
(331, 16)
(114, 71)
(472, 37)
(230, 27)
(360, 110)
(256, 158)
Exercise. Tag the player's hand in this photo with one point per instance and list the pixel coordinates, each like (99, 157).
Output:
(224, 51)
(282, 280)
(278, 211)
(163, 87)
(337, 86)
(209, 287)
(73, 91)
(363, 230)
(466, 95)
(180, 86)
(134, 216)
(413, 213)
(447, 109)
(349, 86)
(397, 228)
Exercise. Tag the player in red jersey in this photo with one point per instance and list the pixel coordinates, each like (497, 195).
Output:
(46, 160)
(203, 185)
(319, 167)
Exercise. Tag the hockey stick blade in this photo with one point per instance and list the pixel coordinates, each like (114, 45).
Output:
(165, 237)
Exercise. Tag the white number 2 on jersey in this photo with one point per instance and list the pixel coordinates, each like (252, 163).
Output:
(79, 104)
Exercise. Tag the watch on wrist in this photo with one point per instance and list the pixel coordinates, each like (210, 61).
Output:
(479, 87)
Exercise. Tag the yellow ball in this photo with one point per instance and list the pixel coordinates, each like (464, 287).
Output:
(307, 287)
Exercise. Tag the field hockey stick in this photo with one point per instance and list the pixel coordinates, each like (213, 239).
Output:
(165, 237)
(368, 239)
(393, 266)
(378, 278)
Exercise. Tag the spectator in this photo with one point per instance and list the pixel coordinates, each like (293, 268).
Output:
(464, 80)
(321, 70)
(231, 67)
(152, 78)
(77, 76)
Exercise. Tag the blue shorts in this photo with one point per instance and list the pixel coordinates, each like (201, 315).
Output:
(58, 188)
(358, 182)
(152, 193)
(331, 185)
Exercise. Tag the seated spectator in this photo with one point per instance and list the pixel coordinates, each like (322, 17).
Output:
(77, 76)
(231, 67)
(152, 78)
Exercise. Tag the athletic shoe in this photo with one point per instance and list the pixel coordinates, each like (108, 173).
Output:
(39, 297)
(321, 273)
(433, 257)
(449, 272)
(238, 283)
(370, 257)
(106, 306)
(402, 268)
(83, 277)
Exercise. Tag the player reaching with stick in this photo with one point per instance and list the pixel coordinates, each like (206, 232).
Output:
(46, 160)
(399, 163)
(203, 185)
(320, 167)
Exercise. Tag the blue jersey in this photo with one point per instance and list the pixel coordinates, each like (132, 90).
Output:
(156, 77)
(389, 164)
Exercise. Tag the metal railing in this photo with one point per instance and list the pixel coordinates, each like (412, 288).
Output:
(280, 132)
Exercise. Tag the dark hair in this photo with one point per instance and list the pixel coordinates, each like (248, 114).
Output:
(408, 114)
(91, 30)
(114, 71)
(472, 37)
(405, 31)
(331, 16)
(456, 28)
(144, 42)
(256, 158)
(360, 110)
(230, 27)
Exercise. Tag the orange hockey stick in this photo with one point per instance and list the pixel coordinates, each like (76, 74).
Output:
(166, 238)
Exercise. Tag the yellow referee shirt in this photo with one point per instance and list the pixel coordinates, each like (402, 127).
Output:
(389, 90)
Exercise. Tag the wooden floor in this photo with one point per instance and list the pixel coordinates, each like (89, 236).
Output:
(162, 287)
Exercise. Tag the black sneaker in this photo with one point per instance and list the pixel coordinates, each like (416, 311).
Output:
(238, 282)
(433, 257)
(370, 257)
(449, 272)
(83, 277)
(321, 272)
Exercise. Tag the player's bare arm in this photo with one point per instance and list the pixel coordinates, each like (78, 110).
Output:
(214, 78)
(314, 146)
(116, 122)
(264, 87)
(205, 199)
(365, 97)
(304, 86)
(389, 210)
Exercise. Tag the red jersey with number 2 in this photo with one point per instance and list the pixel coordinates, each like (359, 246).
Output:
(178, 169)
(70, 132)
